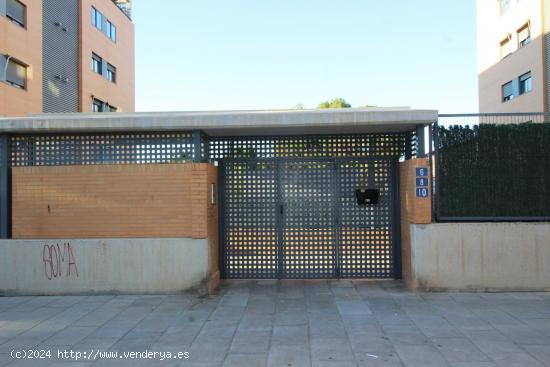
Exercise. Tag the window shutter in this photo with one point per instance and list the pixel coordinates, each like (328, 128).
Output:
(16, 73)
(16, 10)
(104, 24)
(515, 86)
(104, 68)
(523, 34)
(508, 89)
(2, 67)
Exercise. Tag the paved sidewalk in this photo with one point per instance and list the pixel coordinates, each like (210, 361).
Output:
(287, 324)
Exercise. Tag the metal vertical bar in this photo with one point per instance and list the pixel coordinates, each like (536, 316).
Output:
(420, 141)
(435, 185)
(397, 271)
(431, 165)
(31, 150)
(197, 140)
(337, 213)
(221, 222)
(408, 145)
(279, 219)
(205, 147)
(5, 186)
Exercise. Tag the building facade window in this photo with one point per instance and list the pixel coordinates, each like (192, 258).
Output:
(525, 83)
(111, 31)
(100, 106)
(111, 73)
(506, 47)
(97, 64)
(524, 36)
(13, 72)
(97, 19)
(16, 12)
(97, 105)
(504, 6)
(508, 91)
(517, 87)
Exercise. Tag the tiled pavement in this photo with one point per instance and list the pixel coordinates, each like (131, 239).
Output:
(288, 324)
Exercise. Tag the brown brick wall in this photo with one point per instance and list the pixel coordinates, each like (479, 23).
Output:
(413, 210)
(212, 227)
(170, 200)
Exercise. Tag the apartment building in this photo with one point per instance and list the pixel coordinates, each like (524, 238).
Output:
(512, 55)
(66, 56)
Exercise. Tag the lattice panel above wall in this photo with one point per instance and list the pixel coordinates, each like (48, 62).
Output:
(57, 150)
(310, 146)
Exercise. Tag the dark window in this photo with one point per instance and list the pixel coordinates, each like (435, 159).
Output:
(111, 73)
(97, 64)
(525, 83)
(16, 11)
(111, 108)
(97, 105)
(111, 31)
(508, 92)
(16, 74)
(97, 18)
(524, 36)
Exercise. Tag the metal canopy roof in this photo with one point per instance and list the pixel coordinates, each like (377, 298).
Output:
(230, 123)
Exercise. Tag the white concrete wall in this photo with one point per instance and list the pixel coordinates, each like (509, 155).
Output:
(481, 256)
(102, 266)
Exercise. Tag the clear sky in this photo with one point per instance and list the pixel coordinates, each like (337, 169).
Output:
(261, 54)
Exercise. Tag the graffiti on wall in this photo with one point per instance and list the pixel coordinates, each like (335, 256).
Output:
(59, 261)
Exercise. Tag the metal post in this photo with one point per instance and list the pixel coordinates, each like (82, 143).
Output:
(197, 143)
(408, 146)
(436, 183)
(221, 216)
(397, 261)
(5, 187)
(431, 153)
(420, 143)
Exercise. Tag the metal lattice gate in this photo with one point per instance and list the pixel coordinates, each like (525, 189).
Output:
(299, 218)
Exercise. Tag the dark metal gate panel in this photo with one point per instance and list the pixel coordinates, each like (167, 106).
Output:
(299, 218)
(366, 241)
(249, 232)
(307, 189)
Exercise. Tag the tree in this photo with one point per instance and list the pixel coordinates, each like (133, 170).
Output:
(335, 103)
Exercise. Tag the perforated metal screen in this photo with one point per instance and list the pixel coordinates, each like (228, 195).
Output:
(366, 233)
(299, 218)
(312, 146)
(113, 148)
(308, 243)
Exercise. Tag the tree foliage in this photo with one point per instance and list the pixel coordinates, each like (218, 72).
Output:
(335, 103)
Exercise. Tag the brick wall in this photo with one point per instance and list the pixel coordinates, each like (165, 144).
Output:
(169, 200)
(413, 211)
(213, 227)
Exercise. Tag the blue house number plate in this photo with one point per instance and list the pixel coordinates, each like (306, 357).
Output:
(422, 182)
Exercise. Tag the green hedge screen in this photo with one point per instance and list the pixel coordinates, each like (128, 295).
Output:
(497, 171)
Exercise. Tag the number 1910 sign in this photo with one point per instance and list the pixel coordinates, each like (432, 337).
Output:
(422, 182)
